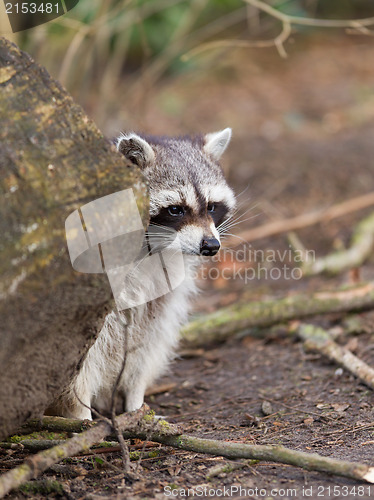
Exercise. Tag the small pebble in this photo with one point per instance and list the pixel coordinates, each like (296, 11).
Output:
(266, 408)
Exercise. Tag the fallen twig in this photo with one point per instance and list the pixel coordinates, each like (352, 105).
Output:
(280, 454)
(33, 445)
(56, 424)
(36, 445)
(318, 339)
(336, 262)
(36, 464)
(304, 220)
(169, 435)
(222, 324)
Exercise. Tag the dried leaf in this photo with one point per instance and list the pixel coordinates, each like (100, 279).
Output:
(340, 407)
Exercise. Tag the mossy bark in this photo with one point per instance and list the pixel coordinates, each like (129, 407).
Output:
(53, 159)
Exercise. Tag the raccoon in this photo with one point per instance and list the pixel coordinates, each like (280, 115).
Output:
(189, 196)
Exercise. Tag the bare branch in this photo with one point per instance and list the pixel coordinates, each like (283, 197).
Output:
(277, 42)
(124, 448)
(306, 21)
(358, 25)
(281, 38)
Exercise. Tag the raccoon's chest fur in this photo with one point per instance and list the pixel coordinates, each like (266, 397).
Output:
(152, 331)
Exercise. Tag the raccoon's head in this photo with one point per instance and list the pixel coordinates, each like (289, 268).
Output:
(188, 192)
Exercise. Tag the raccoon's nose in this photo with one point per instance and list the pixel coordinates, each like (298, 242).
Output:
(209, 246)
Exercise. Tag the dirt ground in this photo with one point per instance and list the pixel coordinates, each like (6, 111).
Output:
(303, 139)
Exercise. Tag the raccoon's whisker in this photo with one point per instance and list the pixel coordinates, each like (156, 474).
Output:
(152, 251)
(177, 250)
(249, 209)
(225, 222)
(165, 228)
(228, 223)
(242, 204)
(139, 262)
(159, 236)
(235, 236)
(232, 217)
(233, 224)
(242, 192)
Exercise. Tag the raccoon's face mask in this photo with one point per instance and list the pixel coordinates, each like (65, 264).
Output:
(188, 192)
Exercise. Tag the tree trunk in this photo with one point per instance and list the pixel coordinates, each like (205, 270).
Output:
(53, 160)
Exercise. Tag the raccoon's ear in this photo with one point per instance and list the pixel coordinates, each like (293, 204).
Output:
(216, 143)
(136, 149)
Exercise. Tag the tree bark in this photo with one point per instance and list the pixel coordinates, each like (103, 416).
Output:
(53, 160)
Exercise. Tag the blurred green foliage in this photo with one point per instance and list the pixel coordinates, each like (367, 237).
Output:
(101, 43)
(146, 28)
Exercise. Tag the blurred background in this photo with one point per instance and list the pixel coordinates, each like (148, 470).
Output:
(303, 126)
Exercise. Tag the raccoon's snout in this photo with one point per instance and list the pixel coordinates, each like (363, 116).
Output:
(209, 246)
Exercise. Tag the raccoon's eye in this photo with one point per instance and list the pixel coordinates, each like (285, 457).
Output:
(176, 210)
(211, 207)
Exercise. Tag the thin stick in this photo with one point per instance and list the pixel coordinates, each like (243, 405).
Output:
(36, 445)
(305, 220)
(56, 424)
(318, 339)
(125, 453)
(280, 454)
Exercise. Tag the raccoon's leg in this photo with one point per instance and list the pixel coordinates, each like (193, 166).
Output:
(135, 377)
(81, 400)
(79, 410)
(143, 365)
(134, 383)
(74, 402)
(128, 398)
(135, 398)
